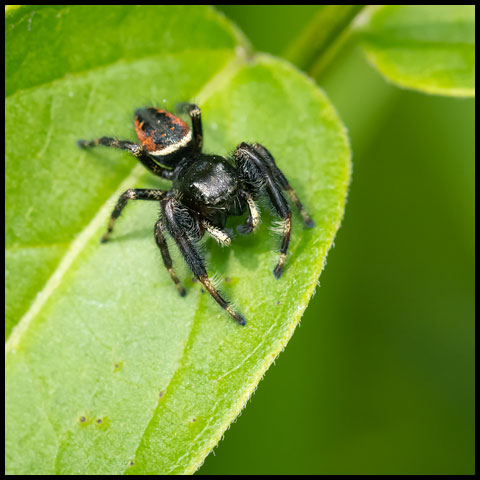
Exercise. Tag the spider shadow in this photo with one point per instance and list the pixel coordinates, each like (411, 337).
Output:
(136, 234)
(249, 248)
(242, 247)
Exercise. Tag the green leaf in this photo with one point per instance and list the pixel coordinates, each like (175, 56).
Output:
(108, 370)
(430, 48)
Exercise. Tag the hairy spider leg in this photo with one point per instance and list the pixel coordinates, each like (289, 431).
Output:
(222, 237)
(130, 194)
(270, 161)
(257, 174)
(253, 219)
(167, 260)
(196, 118)
(281, 206)
(175, 217)
(134, 149)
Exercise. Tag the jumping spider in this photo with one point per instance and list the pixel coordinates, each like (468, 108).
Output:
(206, 189)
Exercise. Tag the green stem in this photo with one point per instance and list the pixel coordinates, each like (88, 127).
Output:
(318, 42)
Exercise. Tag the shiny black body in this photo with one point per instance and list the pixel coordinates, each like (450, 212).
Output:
(206, 190)
(209, 185)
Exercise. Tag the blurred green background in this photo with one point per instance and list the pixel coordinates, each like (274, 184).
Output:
(379, 377)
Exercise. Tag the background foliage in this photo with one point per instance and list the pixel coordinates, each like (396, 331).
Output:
(379, 378)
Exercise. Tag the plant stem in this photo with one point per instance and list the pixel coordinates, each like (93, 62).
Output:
(320, 40)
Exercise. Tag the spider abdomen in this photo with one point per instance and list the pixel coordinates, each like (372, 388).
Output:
(161, 133)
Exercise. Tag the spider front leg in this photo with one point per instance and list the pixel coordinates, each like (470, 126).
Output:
(130, 194)
(253, 219)
(222, 237)
(196, 117)
(182, 227)
(260, 174)
(283, 210)
(280, 177)
(136, 150)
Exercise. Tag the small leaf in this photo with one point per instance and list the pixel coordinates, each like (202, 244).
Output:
(108, 369)
(430, 48)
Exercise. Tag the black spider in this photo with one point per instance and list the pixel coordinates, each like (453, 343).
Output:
(206, 189)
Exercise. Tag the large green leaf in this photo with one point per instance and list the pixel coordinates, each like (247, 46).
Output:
(430, 48)
(108, 370)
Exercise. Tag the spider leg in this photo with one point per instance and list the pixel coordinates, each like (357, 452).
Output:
(196, 117)
(280, 177)
(167, 260)
(253, 219)
(177, 218)
(219, 235)
(134, 149)
(281, 206)
(130, 194)
(258, 175)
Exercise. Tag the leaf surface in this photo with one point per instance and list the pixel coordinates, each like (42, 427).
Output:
(108, 370)
(430, 48)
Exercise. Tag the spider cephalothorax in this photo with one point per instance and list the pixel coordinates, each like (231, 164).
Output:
(206, 189)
